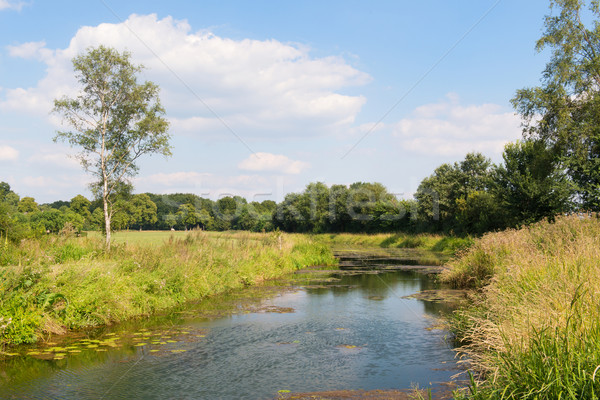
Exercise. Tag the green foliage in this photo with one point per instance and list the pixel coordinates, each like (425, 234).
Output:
(27, 205)
(531, 184)
(452, 198)
(115, 121)
(564, 111)
(361, 207)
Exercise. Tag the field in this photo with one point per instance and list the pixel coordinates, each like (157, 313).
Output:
(141, 237)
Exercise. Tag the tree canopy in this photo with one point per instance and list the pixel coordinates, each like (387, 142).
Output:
(564, 111)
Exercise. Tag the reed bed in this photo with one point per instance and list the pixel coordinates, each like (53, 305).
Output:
(533, 330)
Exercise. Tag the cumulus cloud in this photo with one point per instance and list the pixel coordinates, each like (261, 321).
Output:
(259, 88)
(448, 128)
(272, 163)
(250, 186)
(11, 5)
(29, 50)
(8, 153)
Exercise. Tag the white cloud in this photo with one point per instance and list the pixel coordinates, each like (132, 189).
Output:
(56, 159)
(272, 163)
(209, 185)
(57, 184)
(259, 88)
(448, 128)
(8, 153)
(29, 50)
(11, 5)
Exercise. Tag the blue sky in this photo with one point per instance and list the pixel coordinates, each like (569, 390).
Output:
(298, 88)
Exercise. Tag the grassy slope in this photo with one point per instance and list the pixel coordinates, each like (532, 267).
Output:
(534, 332)
(57, 284)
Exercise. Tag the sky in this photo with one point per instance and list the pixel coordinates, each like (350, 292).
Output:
(264, 97)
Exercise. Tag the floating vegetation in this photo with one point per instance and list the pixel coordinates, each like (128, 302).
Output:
(275, 309)
(158, 341)
(440, 295)
(288, 343)
(348, 346)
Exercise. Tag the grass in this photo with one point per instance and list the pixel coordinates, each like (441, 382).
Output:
(440, 243)
(57, 283)
(140, 237)
(533, 331)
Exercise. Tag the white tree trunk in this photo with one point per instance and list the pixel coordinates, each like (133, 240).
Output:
(107, 223)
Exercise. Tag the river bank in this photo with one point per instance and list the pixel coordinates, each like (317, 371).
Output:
(58, 284)
(315, 330)
(533, 330)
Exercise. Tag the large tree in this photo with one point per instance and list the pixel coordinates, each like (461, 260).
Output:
(115, 121)
(441, 197)
(531, 184)
(564, 112)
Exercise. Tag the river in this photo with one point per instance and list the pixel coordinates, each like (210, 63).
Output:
(328, 330)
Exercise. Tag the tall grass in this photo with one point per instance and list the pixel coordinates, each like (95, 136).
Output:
(55, 284)
(533, 331)
(441, 243)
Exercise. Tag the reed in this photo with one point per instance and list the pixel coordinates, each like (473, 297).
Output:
(533, 330)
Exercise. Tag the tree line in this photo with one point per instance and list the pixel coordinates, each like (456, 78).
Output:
(472, 196)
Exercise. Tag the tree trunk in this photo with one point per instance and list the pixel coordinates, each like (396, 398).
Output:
(106, 222)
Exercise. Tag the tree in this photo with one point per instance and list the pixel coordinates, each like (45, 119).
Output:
(531, 184)
(115, 121)
(188, 215)
(81, 206)
(170, 220)
(564, 112)
(143, 210)
(27, 205)
(7, 195)
(50, 220)
(439, 195)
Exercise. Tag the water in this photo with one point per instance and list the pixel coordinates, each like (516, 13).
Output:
(353, 333)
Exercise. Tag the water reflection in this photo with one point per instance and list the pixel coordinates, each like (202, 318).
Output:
(350, 331)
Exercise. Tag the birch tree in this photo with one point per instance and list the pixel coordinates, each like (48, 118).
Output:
(114, 121)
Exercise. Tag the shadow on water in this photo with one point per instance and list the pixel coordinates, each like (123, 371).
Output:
(316, 330)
